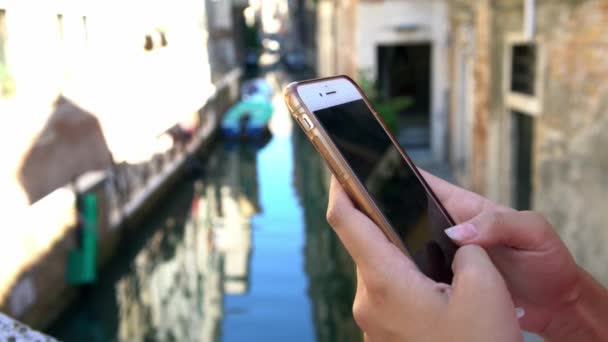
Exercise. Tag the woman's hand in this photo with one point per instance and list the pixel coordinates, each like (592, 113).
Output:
(559, 299)
(395, 302)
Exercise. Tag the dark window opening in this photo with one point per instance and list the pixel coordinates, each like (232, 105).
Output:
(6, 81)
(148, 45)
(405, 71)
(85, 26)
(2, 35)
(523, 69)
(60, 27)
(163, 39)
(522, 160)
(155, 40)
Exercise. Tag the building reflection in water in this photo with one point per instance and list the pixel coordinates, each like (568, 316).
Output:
(183, 294)
(331, 273)
(181, 267)
(171, 282)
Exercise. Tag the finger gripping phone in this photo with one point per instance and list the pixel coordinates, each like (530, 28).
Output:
(374, 170)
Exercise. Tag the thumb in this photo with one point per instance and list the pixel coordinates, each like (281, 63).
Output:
(479, 294)
(475, 276)
(525, 230)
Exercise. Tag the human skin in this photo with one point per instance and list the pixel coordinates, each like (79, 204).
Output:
(560, 300)
(395, 302)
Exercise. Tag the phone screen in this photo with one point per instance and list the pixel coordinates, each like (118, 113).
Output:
(392, 184)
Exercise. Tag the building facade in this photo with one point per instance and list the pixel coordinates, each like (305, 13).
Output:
(86, 85)
(110, 98)
(401, 47)
(529, 111)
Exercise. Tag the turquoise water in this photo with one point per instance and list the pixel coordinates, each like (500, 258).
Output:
(277, 276)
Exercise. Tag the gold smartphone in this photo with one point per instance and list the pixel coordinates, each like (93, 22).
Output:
(374, 169)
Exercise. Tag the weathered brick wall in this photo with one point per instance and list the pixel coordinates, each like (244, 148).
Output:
(570, 166)
(482, 79)
(460, 21)
(507, 19)
(571, 180)
(346, 47)
(487, 20)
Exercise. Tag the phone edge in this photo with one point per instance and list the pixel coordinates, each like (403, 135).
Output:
(351, 184)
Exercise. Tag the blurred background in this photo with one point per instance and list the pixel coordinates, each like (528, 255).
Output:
(154, 186)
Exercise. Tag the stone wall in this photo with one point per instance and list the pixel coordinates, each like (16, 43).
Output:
(571, 163)
(33, 285)
(570, 130)
(470, 54)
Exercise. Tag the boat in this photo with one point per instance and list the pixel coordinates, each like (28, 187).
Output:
(257, 87)
(247, 120)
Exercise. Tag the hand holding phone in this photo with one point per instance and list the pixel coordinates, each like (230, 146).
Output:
(395, 302)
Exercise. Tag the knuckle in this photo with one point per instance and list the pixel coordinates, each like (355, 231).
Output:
(490, 219)
(496, 218)
(333, 215)
(544, 229)
(543, 223)
(361, 313)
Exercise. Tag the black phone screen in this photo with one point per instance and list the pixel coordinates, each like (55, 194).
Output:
(393, 185)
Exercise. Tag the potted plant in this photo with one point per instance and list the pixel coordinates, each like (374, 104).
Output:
(388, 108)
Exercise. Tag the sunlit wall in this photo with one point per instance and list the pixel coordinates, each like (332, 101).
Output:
(138, 66)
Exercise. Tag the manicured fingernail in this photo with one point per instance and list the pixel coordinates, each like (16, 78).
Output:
(519, 312)
(462, 232)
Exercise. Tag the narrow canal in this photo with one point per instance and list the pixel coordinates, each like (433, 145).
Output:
(240, 253)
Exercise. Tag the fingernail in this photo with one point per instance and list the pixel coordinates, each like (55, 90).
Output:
(519, 312)
(462, 232)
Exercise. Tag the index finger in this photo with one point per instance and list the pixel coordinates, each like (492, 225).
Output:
(462, 204)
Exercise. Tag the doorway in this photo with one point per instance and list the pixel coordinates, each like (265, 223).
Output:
(405, 70)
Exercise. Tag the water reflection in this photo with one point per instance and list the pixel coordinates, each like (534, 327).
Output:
(330, 269)
(190, 272)
(176, 287)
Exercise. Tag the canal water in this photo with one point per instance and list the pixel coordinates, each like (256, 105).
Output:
(240, 253)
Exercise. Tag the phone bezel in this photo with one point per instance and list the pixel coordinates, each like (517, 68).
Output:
(328, 93)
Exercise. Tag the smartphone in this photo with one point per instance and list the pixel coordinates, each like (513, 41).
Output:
(374, 170)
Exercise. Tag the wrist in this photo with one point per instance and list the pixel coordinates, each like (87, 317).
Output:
(582, 318)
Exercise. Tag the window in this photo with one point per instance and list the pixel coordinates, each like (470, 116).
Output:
(522, 160)
(6, 82)
(154, 40)
(60, 27)
(523, 68)
(2, 36)
(524, 72)
(85, 28)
